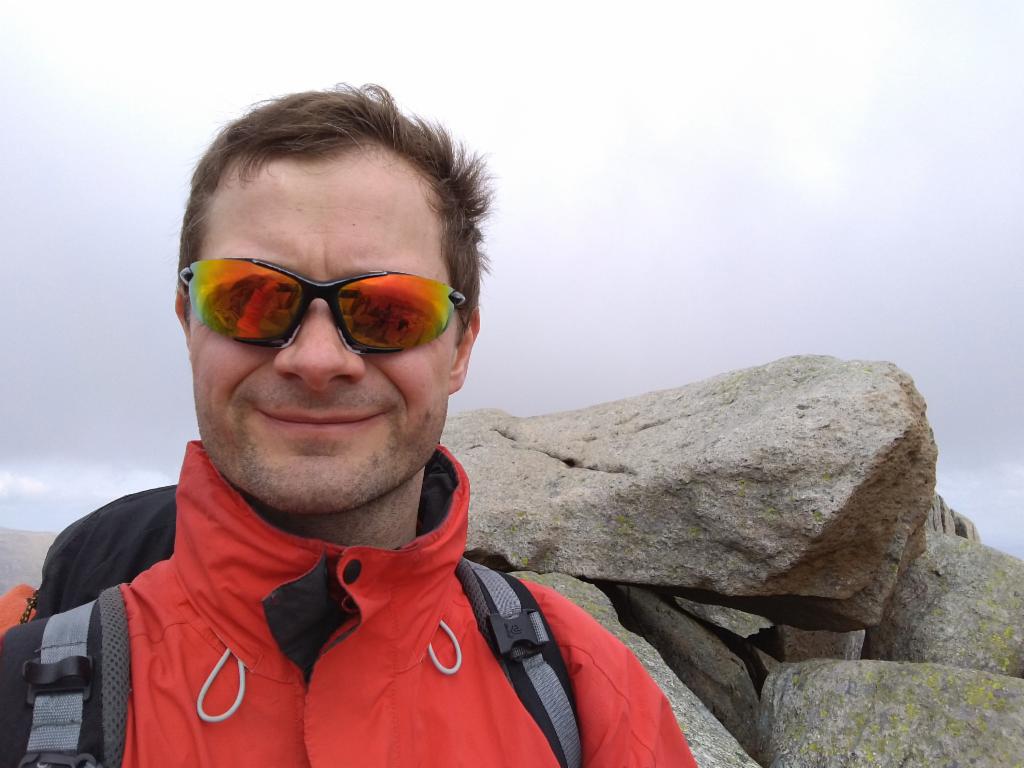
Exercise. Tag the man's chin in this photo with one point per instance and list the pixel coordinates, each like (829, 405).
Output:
(299, 452)
(299, 495)
(307, 480)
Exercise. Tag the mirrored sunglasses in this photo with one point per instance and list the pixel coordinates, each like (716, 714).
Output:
(257, 302)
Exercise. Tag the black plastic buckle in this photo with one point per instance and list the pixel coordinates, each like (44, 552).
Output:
(69, 675)
(516, 632)
(57, 760)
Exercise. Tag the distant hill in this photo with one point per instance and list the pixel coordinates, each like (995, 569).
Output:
(21, 556)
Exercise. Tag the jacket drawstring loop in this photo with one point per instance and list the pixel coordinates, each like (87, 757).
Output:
(458, 653)
(207, 718)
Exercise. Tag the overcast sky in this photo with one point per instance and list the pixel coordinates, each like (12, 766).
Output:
(759, 179)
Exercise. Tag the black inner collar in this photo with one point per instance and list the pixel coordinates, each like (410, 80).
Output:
(304, 613)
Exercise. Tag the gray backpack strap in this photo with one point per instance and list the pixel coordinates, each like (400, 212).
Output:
(60, 682)
(68, 710)
(115, 684)
(513, 624)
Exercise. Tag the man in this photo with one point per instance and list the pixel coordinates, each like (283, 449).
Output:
(330, 267)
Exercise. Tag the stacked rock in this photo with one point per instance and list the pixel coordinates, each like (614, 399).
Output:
(774, 551)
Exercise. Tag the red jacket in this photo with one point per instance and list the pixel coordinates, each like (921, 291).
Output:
(373, 697)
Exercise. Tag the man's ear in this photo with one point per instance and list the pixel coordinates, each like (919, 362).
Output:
(181, 309)
(463, 350)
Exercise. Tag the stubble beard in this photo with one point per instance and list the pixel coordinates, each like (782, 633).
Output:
(318, 477)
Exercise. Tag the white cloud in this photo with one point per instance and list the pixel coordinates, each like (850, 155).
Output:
(48, 496)
(13, 486)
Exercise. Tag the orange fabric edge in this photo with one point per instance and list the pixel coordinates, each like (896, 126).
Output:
(12, 605)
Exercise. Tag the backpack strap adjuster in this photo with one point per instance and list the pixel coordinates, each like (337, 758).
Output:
(511, 620)
(69, 675)
(518, 636)
(58, 760)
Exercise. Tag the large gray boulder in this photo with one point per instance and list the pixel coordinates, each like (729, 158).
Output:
(737, 489)
(711, 744)
(21, 557)
(960, 603)
(849, 714)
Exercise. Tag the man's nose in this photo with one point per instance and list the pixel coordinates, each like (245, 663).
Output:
(318, 354)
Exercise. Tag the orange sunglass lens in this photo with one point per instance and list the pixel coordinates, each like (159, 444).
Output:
(243, 300)
(395, 311)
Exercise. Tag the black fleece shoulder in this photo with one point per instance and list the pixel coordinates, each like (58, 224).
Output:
(109, 546)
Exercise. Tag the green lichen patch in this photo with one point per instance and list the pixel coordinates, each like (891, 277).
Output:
(871, 713)
(959, 604)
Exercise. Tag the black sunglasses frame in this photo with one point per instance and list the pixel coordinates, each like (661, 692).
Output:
(328, 291)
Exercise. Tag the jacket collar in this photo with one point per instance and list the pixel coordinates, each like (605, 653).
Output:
(275, 599)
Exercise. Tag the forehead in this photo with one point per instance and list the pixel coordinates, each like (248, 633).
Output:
(359, 211)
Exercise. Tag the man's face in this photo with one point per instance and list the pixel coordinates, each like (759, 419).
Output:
(315, 428)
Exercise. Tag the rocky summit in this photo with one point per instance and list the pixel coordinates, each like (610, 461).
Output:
(797, 491)
(769, 544)
(774, 550)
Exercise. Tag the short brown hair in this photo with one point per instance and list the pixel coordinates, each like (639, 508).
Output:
(319, 124)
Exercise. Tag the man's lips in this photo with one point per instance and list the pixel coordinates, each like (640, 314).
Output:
(320, 418)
